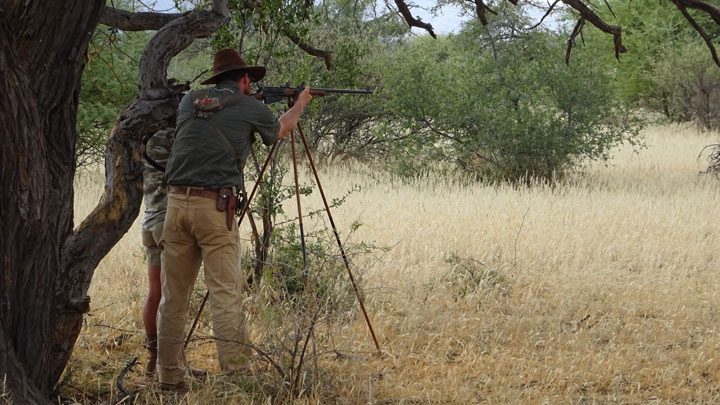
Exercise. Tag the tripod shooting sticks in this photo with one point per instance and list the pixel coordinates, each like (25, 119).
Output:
(302, 236)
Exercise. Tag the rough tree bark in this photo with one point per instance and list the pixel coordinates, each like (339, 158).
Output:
(45, 266)
(42, 51)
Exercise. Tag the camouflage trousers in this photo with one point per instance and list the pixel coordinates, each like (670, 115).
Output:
(194, 232)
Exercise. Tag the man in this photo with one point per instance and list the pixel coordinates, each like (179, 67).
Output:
(158, 149)
(215, 129)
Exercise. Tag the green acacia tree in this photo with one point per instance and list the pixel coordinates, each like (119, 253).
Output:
(502, 105)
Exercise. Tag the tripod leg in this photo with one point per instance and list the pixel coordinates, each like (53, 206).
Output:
(311, 334)
(197, 318)
(337, 238)
(246, 207)
(300, 216)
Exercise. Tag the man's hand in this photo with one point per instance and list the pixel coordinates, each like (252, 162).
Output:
(304, 97)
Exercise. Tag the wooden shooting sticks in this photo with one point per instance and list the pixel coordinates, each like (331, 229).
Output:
(302, 234)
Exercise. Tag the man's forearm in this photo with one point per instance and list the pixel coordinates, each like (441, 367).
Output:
(289, 120)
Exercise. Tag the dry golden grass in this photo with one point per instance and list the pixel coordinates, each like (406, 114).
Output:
(602, 289)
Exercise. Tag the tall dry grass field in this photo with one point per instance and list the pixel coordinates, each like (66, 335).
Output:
(602, 289)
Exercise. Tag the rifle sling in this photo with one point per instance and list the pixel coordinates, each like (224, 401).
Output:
(147, 157)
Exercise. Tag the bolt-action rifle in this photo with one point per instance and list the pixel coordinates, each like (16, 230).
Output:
(274, 94)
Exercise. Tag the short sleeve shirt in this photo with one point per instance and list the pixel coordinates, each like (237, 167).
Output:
(200, 157)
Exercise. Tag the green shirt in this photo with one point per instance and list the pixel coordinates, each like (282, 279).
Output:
(200, 157)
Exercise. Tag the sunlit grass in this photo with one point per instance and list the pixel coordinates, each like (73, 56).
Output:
(603, 288)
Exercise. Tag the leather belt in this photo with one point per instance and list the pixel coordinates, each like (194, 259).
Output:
(194, 191)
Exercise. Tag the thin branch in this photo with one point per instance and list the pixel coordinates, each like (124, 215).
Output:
(112, 69)
(594, 19)
(128, 395)
(111, 42)
(412, 21)
(480, 9)
(199, 75)
(547, 13)
(437, 131)
(326, 55)
(571, 42)
(712, 10)
(610, 8)
(698, 28)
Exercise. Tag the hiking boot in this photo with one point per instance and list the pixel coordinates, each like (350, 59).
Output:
(178, 388)
(151, 345)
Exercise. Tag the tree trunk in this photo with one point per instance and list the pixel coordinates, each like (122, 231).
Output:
(45, 266)
(42, 52)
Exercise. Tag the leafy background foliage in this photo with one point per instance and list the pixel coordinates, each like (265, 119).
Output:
(496, 101)
(109, 84)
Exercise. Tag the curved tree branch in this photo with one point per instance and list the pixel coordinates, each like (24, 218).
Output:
(310, 50)
(480, 9)
(132, 21)
(412, 21)
(708, 41)
(589, 15)
(577, 30)
(547, 13)
(153, 110)
(712, 10)
(167, 43)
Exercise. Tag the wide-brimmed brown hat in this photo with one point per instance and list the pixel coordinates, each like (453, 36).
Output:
(230, 59)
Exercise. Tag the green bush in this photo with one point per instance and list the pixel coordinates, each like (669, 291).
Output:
(502, 109)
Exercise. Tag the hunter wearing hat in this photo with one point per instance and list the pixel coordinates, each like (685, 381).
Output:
(215, 127)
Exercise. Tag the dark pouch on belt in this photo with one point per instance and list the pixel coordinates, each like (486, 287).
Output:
(223, 198)
(230, 217)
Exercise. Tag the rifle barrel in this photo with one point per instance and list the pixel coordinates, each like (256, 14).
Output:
(274, 94)
(351, 91)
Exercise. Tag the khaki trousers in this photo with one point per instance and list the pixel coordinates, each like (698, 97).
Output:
(195, 232)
